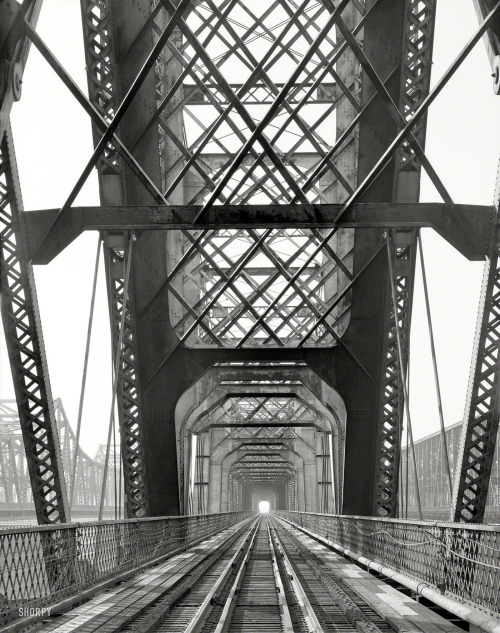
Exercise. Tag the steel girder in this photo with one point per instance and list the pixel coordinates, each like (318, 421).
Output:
(418, 39)
(26, 350)
(102, 69)
(482, 413)
(404, 216)
(480, 428)
(19, 307)
(162, 353)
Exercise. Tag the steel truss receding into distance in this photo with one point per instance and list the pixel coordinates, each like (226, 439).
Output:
(15, 486)
(218, 123)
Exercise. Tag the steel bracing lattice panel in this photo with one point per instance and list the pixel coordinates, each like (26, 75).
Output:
(226, 60)
(263, 433)
(259, 287)
(418, 40)
(480, 429)
(100, 60)
(415, 84)
(391, 413)
(101, 77)
(216, 47)
(261, 411)
(136, 501)
(26, 350)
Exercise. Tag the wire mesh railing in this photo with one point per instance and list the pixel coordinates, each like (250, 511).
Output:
(461, 561)
(41, 566)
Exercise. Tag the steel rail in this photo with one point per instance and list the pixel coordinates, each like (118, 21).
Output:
(325, 589)
(178, 611)
(259, 573)
(310, 617)
(203, 611)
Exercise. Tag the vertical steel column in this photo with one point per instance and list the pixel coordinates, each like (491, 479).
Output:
(480, 428)
(136, 500)
(414, 87)
(101, 77)
(25, 346)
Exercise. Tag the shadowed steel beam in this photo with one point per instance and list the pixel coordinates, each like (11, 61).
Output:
(369, 215)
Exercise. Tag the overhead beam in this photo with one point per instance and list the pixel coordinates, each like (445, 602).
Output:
(45, 246)
(325, 93)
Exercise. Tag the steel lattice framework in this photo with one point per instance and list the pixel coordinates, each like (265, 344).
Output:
(480, 429)
(25, 346)
(414, 87)
(261, 207)
(14, 471)
(100, 63)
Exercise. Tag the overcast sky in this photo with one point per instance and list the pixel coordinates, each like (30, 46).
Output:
(53, 143)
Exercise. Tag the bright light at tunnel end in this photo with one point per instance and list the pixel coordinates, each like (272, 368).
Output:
(263, 507)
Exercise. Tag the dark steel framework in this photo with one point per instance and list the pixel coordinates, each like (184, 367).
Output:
(347, 126)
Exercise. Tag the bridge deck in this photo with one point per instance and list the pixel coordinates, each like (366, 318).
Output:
(251, 577)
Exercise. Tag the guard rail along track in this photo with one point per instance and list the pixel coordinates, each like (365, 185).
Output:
(457, 560)
(258, 579)
(235, 573)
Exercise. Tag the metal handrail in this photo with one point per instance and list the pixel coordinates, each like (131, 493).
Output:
(43, 565)
(458, 560)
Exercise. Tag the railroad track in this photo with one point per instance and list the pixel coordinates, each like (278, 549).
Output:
(263, 576)
(265, 584)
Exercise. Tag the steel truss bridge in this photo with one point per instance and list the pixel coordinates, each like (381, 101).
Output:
(16, 498)
(259, 169)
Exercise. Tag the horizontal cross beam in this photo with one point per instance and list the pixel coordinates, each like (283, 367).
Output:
(43, 246)
(261, 94)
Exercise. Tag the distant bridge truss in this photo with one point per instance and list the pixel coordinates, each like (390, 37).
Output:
(16, 497)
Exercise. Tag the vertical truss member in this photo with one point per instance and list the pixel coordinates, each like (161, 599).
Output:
(102, 68)
(482, 411)
(26, 350)
(480, 429)
(415, 83)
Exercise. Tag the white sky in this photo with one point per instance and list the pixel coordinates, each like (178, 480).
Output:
(53, 144)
